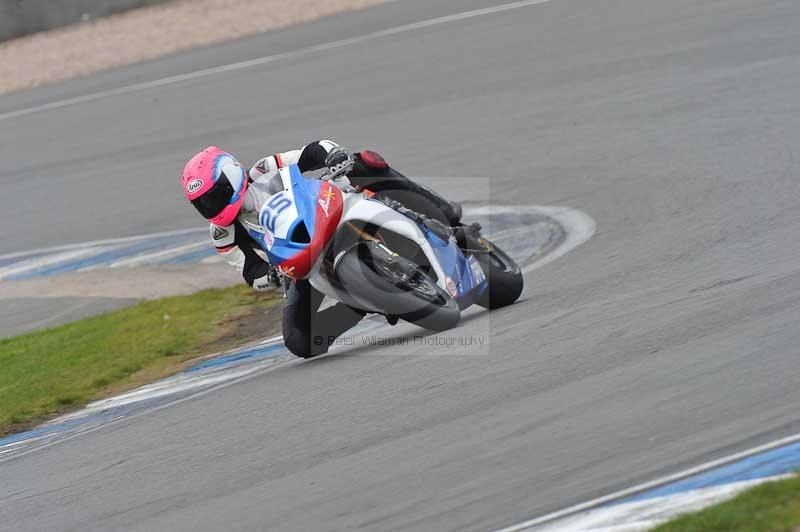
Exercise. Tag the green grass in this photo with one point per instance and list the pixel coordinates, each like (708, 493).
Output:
(770, 507)
(47, 372)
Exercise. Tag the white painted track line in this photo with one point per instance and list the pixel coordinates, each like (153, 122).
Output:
(105, 242)
(578, 226)
(529, 524)
(640, 516)
(170, 80)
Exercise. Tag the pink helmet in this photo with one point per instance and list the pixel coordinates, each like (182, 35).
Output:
(215, 183)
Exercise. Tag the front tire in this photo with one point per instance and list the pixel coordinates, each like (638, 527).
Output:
(398, 287)
(504, 277)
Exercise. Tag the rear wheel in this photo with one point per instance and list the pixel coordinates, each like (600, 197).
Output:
(504, 277)
(370, 273)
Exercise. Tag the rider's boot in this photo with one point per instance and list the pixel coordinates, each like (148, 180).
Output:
(435, 226)
(451, 210)
(468, 237)
(454, 216)
(470, 240)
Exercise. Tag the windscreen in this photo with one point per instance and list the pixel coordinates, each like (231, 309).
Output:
(275, 184)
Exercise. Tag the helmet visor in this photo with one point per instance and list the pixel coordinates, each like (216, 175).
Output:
(224, 192)
(215, 199)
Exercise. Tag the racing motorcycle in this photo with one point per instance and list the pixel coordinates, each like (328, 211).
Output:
(354, 247)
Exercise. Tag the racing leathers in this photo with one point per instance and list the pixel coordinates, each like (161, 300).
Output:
(307, 331)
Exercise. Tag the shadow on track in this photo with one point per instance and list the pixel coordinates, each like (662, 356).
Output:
(392, 341)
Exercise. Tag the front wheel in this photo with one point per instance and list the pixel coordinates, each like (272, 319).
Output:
(504, 277)
(396, 286)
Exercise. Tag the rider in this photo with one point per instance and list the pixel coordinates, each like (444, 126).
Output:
(220, 189)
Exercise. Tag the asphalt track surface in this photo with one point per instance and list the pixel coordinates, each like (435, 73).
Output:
(668, 339)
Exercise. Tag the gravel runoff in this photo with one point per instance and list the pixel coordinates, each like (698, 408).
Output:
(147, 33)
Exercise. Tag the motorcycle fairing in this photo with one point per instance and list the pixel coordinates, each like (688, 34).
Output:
(299, 221)
(464, 278)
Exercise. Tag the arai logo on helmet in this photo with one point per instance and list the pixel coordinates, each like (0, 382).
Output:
(194, 185)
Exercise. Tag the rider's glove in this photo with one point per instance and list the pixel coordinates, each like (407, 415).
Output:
(268, 281)
(339, 161)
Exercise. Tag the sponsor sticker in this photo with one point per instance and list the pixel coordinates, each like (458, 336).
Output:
(194, 185)
(287, 271)
(451, 286)
(269, 239)
(219, 233)
(325, 201)
(477, 272)
(337, 257)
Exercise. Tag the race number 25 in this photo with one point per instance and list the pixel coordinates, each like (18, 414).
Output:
(276, 205)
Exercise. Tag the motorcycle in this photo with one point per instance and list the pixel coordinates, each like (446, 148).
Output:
(353, 247)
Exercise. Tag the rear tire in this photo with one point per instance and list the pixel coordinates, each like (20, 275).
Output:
(504, 277)
(417, 300)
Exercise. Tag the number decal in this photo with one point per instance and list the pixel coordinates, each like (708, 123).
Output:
(276, 205)
(477, 272)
